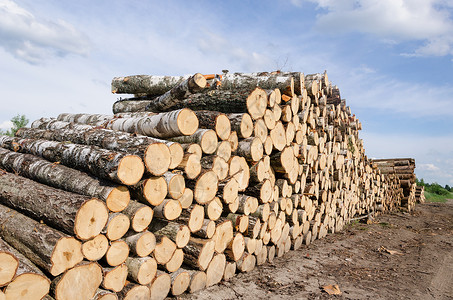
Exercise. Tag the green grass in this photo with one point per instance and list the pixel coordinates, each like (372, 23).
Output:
(432, 197)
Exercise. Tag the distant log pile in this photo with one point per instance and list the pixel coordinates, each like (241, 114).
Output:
(194, 179)
(402, 169)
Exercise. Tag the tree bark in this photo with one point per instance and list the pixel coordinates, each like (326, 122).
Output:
(199, 253)
(146, 84)
(59, 176)
(141, 269)
(214, 120)
(71, 213)
(130, 105)
(44, 246)
(252, 101)
(153, 151)
(119, 167)
(80, 282)
(263, 80)
(191, 85)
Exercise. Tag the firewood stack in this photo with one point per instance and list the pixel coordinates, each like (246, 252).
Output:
(403, 169)
(420, 194)
(194, 179)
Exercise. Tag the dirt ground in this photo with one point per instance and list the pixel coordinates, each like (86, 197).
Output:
(398, 256)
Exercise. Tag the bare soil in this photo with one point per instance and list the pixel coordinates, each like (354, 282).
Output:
(398, 256)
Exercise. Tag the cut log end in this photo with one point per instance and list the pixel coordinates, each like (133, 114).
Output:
(209, 142)
(142, 218)
(80, 282)
(117, 253)
(130, 169)
(66, 254)
(118, 199)
(206, 187)
(8, 267)
(256, 103)
(157, 158)
(160, 287)
(176, 154)
(27, 286)
(223, 127)
(115, 279)
(90, 219)
(180, 283)
(95, 248)
(216, 268)
(117, 227)
(187, 122)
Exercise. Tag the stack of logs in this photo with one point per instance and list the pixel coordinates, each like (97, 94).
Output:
(420, 194)
(401, 170)
(194, 179)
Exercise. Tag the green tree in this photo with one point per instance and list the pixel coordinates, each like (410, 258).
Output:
(18, 121)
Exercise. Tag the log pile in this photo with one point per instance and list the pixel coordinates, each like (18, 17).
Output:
(194, 179)
(420, 194)
(403, 170)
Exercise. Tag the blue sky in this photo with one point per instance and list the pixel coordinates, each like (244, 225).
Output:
(392, 59)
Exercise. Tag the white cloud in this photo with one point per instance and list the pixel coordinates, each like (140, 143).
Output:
(428, 167)
(365, 88)
(31, 39)
(433, 155)
(428, 21)
(6, 125)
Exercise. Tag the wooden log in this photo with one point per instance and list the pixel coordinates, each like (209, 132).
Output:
(140, 215)
(240, 171)
(141, 269)
(115, 277)
(191, 85)
(24, 279)
(169, 209)
(215, 270)
(252, 101)
(190, 165)
(151, 190)
(204, 187)
(246, 263)
(217, 121)
(61, 177)
(223, 235)
(236, 247)
(158, 155)
(130, 105)
(141, 244)
(103, 295)
(193, 217)
(146, 84)
(250, 148)
(96, 248)
(247, 204)
(263, 191)
(242, 123)
(134, 291)
(263, 80)
(74, 214)
(207, 230)
(164, 249)
(117, 253)
(175, 261)
(160, 286)
(117, 226)
(230, 271)
(186, 199)
(199, 253)
(175, 184)
(176, 232)
(216, 164)
(80, 282)
(180, 281)
(228, 190)
(118, 167)
(214, 209)
(206, 138)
